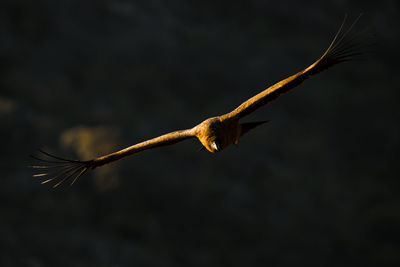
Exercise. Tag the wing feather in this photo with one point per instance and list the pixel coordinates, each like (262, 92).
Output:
(163, 140)
(57, 169)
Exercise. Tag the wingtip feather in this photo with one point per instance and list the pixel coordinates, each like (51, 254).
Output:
(58, 168)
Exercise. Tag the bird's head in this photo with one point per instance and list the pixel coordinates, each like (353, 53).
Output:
(214, 146)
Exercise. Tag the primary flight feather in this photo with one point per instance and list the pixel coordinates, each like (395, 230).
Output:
(214, 133)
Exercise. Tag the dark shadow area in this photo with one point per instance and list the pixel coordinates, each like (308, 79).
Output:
(316, 186)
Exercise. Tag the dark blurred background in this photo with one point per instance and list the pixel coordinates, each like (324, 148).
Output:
(317, 186)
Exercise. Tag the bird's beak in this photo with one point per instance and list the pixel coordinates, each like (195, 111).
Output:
(215, 146)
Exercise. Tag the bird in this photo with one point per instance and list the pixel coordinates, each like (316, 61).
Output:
(215, 133)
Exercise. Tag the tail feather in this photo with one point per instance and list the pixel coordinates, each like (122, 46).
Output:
(247, 126)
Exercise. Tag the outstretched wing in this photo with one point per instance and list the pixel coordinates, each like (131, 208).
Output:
(343, 48)
(163, 140)
(54, 168)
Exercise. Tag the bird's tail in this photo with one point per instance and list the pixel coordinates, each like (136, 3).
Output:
(247, 126)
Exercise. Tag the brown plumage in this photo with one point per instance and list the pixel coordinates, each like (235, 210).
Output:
(215, 133)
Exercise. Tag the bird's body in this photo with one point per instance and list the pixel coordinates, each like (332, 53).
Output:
(218, 132)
